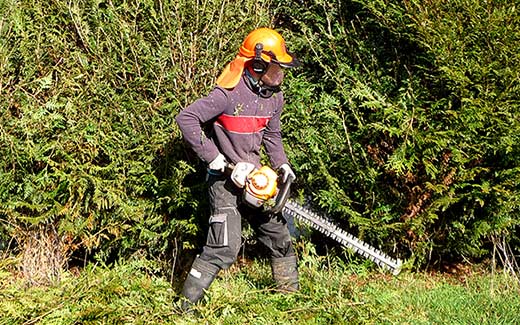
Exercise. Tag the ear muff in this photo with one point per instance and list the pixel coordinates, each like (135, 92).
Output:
(259, 65)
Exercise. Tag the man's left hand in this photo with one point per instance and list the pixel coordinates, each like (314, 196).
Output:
(287, 172)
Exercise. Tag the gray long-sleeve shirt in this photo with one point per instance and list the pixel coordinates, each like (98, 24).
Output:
(242, 122)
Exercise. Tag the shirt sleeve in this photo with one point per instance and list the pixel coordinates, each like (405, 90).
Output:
(192, 118)
(273, 137)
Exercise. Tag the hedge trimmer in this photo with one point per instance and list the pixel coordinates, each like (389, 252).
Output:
(263, 189)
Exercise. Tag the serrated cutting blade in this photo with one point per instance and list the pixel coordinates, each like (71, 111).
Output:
(322, 224)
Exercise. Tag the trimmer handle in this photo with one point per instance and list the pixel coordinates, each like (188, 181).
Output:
(283, 194)
(229, 168)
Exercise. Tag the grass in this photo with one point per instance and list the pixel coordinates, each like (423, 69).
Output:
(332, 292)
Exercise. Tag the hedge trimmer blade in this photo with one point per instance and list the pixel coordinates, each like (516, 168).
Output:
(329, 229)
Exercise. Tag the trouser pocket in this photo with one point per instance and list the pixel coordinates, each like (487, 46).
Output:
(218, 231)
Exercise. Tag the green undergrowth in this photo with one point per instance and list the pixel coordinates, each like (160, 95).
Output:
(333, 291)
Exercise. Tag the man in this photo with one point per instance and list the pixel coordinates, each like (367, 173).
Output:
(244, 109)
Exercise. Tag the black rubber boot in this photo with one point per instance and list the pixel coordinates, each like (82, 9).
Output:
(285, 273)
(198, 281)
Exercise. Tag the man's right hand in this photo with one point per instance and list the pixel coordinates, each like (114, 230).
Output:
(219, 163)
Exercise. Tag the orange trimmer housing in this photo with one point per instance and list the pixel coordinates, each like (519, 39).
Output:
(263, 182)
(262, 185)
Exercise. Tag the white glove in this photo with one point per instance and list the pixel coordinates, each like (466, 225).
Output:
(218, 163)
(287, 172)
(240, 173)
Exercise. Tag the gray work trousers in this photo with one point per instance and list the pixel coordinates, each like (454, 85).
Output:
(225, 225)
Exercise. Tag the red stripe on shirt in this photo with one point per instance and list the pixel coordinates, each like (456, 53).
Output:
(243, 124)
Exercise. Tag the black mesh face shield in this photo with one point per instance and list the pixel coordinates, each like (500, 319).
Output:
(273, 76)
(259, 87)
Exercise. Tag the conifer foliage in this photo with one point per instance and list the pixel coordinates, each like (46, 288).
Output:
(91, 156)
(401, 123)
(409, 114)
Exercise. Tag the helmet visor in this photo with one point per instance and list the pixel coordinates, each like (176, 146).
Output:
(288, 60)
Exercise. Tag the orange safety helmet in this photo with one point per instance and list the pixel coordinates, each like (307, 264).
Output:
(264, 45)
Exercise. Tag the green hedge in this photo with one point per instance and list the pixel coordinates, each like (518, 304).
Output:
(404, 121)
(89, 91)
(401, 123)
